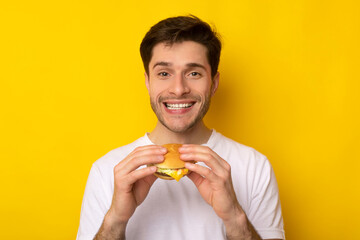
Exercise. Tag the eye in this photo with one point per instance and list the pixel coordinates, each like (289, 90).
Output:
(195, 74)
(163, 74)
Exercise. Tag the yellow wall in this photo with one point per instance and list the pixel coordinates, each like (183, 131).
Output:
(72, 88)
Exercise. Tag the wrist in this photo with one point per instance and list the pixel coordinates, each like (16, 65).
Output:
(235, 223)
(112, 218)
(239, 227)
(112, 228)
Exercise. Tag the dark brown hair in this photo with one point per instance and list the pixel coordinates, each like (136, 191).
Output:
(178, 29)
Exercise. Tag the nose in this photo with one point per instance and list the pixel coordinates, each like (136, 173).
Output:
(179, 86)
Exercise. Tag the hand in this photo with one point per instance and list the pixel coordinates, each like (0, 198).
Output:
(214, 183)
(131, 185)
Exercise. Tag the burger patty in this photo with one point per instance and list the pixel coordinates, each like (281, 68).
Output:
(177, 173)
(163, 174)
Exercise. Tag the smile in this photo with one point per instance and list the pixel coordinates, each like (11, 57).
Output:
(176, 106)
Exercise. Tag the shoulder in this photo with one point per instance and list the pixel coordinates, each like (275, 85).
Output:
(236, 151)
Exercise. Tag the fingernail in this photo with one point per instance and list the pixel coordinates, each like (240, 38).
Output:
(182, 148)
(188, 165)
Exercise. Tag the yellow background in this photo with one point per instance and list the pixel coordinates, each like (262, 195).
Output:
(72, 89)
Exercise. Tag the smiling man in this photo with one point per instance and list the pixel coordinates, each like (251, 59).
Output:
(231, 192)
(180, 86)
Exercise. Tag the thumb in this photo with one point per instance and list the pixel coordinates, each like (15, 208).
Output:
(196, 178)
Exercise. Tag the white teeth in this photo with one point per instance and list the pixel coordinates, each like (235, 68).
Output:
(178, 106)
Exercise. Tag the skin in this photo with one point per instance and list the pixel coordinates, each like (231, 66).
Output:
(131, 187)
(179, 73)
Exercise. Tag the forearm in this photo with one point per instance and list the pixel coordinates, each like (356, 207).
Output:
(111, 230)
(240, 228)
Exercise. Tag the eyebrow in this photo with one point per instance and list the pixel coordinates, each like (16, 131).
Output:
(166, 64)
(196, 65)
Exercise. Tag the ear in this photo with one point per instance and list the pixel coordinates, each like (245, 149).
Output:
(147, 81)
(215, 83)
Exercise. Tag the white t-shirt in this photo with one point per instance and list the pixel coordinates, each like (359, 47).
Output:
(175, 210)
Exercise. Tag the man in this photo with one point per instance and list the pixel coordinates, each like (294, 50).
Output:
(231, 192)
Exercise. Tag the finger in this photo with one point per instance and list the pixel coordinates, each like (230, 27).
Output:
(136, 175)
(209, 160)
(139, 158)
(144, 150)
(196, 178)
(202, 171)
(206, 158)
(150, 179)
(138, 161)
(192, 148)
(143, 187)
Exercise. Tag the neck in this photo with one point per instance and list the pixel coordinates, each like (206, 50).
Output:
(198, 134)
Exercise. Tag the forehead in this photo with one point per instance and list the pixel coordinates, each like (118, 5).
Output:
(179, 54)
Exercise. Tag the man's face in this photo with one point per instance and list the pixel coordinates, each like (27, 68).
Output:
(180, 84)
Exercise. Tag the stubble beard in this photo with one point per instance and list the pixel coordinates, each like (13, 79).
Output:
(180, 129)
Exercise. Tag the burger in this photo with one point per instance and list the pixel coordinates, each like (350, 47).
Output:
(172, 167)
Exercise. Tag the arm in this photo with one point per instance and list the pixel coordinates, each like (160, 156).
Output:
(215, 186)
(239, 227)
(131, 186)
(111, 230)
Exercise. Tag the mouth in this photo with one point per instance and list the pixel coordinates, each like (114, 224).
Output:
(178, 106)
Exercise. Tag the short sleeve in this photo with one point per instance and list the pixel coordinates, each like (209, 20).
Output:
(265, 208)
(94, 205)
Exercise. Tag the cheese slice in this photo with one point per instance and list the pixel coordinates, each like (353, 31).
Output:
(177, 174)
